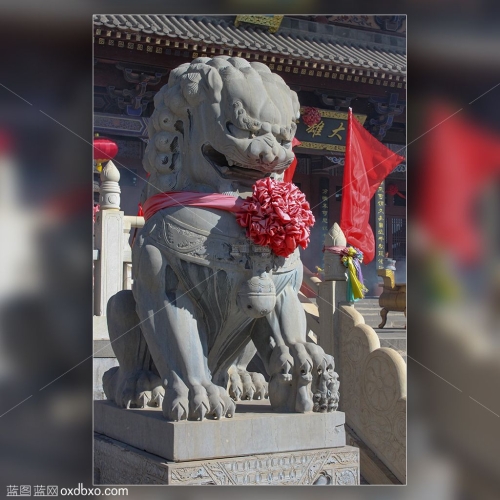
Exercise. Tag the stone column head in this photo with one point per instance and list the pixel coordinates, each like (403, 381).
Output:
(110, 187)
(334, 269)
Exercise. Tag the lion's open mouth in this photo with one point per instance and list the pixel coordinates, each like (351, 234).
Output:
(230, 169)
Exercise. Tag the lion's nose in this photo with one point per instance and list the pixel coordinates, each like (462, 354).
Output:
(267, 157)
(263, 151)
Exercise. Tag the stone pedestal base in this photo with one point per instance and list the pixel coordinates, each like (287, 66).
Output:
(118, 463)
(256, 446)
(253, 430)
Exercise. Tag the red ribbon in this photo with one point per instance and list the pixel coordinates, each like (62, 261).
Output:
(192, 199)
(276, 215)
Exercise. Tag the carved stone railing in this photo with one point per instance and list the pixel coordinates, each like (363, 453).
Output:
(112, 253)
(373, 394)
(372, 379)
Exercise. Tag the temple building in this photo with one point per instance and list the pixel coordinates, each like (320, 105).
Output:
(332, 62)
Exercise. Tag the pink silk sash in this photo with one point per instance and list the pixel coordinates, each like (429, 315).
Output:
(190, 199)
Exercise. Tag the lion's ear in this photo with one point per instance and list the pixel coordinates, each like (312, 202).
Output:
(201, 84)
(214, 83)
(192, 88)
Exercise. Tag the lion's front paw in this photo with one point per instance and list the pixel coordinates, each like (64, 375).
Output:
(196, 402)
(133, 390)
(245, 385)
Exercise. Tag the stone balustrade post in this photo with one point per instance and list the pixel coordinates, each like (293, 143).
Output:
(332, 293)
(108, 276)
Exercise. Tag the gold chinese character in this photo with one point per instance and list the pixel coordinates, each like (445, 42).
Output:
(380, 246)
(324, 191)
(380, 203)
(335, 132)
(324, 212)
(316, 129)
(325, 220)
(324, 198)
(380, 218)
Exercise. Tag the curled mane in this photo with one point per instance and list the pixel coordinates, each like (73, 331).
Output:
(189, 86)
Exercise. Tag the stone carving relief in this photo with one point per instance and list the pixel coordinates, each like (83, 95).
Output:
(374, 391)
(202, 292)
(332, 466)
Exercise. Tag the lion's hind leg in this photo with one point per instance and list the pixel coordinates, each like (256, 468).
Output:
(135, 382)
(174, 327)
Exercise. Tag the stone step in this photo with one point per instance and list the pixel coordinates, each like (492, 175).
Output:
(392, 321)
(392, 337)
(369, 308)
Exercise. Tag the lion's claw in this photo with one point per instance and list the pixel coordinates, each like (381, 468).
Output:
(247, 386)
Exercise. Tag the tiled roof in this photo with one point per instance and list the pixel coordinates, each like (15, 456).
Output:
(364, 52)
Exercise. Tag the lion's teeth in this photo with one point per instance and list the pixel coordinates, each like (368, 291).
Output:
(230, 163)
(224, 169)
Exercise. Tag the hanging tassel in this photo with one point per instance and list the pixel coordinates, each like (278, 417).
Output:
(352, 259)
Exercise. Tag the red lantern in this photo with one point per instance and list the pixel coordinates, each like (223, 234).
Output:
(104, 150)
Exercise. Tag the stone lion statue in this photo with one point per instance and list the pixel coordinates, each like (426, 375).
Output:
(205, 298)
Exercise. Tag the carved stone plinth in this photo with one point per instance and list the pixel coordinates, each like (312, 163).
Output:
(254, 429)
(118, 463)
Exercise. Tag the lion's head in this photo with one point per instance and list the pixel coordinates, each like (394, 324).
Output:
(218, 125)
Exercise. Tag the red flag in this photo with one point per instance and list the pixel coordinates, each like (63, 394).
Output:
(291, 169)
(367, 163)
(460, 159)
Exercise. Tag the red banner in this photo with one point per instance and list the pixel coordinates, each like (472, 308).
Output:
(367, 163)
(461, 159)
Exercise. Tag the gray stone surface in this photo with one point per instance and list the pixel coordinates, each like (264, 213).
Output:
(103, 349)
(100, 366)
(118, 463)
(254, 429)
(202, 290)
(100, 328)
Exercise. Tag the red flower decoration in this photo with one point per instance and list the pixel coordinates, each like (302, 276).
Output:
(277, 215)
(392, 189)
(311, 116)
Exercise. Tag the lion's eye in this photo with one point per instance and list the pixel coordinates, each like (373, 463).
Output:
(238, 132)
